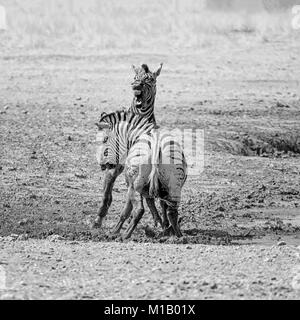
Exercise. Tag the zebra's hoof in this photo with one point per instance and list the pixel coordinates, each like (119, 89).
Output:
(168, 231)
(115, 232)
(126, 236)
(97, 223)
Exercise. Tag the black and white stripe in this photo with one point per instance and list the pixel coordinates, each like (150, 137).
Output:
(144, 88)
(132, 140)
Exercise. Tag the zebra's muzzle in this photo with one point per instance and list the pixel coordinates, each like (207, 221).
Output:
(138, 98)
(138, 103)
(137, 92)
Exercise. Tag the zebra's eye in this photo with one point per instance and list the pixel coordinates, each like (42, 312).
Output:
(105, 153)
(150, 77)
(105, 139)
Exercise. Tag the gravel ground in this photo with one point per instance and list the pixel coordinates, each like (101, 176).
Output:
(58, 269)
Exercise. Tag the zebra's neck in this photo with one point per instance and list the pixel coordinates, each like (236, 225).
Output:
(138, 127)
(126, 128)
(130, 132)
(145, 112)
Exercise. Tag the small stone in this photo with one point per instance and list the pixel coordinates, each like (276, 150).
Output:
(54, 238)
(219, 215)
(12, 237)
(23, 237)
(81, 175)
(23, 222)
(281, 243)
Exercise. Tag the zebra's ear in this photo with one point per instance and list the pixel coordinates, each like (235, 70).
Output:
(134, 68)
(145, 67)
(157, 72)
(103, 125)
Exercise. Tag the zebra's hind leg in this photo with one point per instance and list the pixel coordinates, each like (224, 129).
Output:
(172, 214)
(125, 213)
(109, 180)
(154, 212)
(165, 221)
(137, 216)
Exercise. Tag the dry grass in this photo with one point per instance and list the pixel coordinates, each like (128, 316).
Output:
(132, 24)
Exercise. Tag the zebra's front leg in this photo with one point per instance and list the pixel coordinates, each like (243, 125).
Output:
(154, 212)
(109, 180)
(125, 213)
(137, 216)
(166, 226)
(165, 221)
(172, 213)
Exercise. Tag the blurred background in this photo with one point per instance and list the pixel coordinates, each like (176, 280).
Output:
(158, 26)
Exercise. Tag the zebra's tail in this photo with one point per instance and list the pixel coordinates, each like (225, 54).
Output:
(154, 174)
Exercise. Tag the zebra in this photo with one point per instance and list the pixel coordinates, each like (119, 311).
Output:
(155, 167)
(144, 89)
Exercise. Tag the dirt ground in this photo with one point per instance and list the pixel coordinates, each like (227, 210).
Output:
(49, 269)
(234, 215)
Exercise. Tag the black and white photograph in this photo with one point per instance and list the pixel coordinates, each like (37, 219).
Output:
(150, 151)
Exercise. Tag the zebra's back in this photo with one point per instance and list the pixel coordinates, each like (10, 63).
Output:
(158, 158)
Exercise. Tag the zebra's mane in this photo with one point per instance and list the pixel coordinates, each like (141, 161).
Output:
(118, 116)
(122, 115)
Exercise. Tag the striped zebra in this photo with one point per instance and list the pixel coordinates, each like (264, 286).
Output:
(155, 167)
(144, 90)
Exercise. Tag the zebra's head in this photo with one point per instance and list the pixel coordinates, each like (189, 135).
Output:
(144, 87)
(107, 154)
